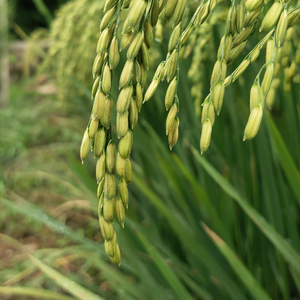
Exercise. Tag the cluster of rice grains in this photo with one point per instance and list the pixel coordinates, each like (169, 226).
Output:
(113, 168)
(139, 20)
(243, 19)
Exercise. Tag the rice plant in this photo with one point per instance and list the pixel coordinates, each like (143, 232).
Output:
(224, 225)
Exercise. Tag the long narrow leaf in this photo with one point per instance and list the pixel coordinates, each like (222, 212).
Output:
(65, 283)
(277, 240)
(242, 272)
(286, 161)
(32, 292)
(165, 270)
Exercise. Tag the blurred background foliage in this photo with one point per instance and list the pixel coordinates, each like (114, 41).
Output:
(247, 193)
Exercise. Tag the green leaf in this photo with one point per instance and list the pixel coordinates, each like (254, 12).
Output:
(32, 292)
(277, 240)
(239, 268)
(165, 270)
(65, 283)
(286, 161)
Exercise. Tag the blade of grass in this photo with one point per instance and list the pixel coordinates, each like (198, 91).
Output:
(296, 278)
(177, 286)
(286, 161)
(65, 283)
(190, 241)
(43, 9)
(277, 240)
(239, 268)
(33, 292)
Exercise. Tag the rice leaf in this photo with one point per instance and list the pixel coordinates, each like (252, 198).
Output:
(239, 268)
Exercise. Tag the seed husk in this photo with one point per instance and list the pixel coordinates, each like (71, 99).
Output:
(139, 96)
(100, 188)
(281, 28)
(145, 56)
(125, 144)
(271, 16)
(178, 13)
(106, 79)
(123, 190)
(110, 157)
(97, 66)
(109, 186)
(126, 74)
(125, 41)
(270, 48)
(270, 98)
(103, 41)
(208, 111)
(120, 165)
(107, 229)
(133, 114)
(95, 87)
(241, 69)
(151, 89)
(253, 123)
(253, 4)
(85, 146)
(122, 124)
(171, 118)
(107, 18)
(109, 4)
(109, 209)
(268, 76)
(105, 117)
(255, 95)
(226, 42)
(100, 141)
(252, 16)
(135, 45)
(174, 38)
(255, 54)
(120, 211)
(235, 52)
(114, 55)
(219, 70)
(172, 66)
(154, 13)
(93, 128)
(148, 33)
(100, 167)
(117, 257)
(173, 134)
(293, 16)
(136, 13)
(110, 246)
(244, 35)
(169, 9)
(205, 135)
(170, 94)
(124, 99)
(128, 171)
(99, 104)
(217, 96)
(240, 17)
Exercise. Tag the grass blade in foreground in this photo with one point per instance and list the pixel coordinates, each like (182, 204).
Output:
(65, 283)
(286, 161)
(277, 240)
(33, 292)
(243, 273)
(169, 275)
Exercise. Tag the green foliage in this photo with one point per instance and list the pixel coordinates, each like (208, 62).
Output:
(246, 193)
